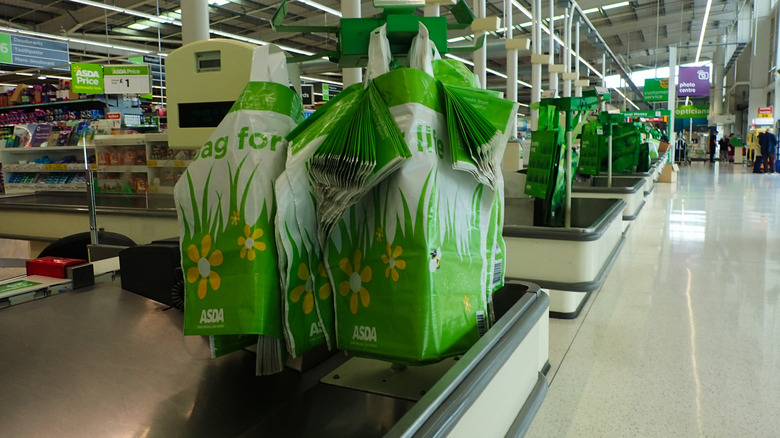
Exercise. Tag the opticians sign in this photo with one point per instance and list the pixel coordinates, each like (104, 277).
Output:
(33, 52)
(694, 81)
(692, 111)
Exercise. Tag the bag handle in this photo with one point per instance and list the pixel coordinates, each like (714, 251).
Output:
(379, 55)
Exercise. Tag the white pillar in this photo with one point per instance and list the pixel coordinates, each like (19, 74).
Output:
(716, 97)
(603, 105)
(351, 9)
(480, 56)
(194, 21)
(577, 90)
(672, 99)
(511, 63)
(536, 69)
(760, 62)
(776, 74)
(566, 51)
(553, 76)
(431, 10)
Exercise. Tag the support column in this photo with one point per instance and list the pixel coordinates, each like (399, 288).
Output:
(577, 89)
(566, 52)
(553, 76)
(431, 10)
(603, 105)
(776, 74)
(194, 21)
(536, 69)
(480, 56)
(511, 62)
(672, 99)
(759, 64)
(351, 9)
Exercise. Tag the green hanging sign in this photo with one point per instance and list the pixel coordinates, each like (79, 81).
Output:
(656, 90)
(86, 78)
(692, 111)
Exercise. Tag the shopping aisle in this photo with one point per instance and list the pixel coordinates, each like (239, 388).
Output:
(683, 339)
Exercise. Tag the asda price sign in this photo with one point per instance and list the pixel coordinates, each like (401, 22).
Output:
(127, 79)
(86, 78)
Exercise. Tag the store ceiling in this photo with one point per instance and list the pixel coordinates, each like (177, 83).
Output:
(638, 32)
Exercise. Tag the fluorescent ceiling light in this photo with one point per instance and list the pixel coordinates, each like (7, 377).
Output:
(138, 26)
(324, 8)
(42, 77)
(703, 28)
(617, 5)
(590, 11)
(309, 78)
(24, 74)
(218, 2)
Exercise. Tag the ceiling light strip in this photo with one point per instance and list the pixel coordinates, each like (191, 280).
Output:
(703, 28)
(321, 7)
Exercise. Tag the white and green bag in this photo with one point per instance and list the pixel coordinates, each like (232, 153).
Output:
(226, 209)
(411, 263)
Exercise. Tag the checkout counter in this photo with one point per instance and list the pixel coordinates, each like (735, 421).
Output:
(102, 361)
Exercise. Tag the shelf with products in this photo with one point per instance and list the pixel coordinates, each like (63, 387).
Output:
(59, 111)
(28, 182)
(139, 163)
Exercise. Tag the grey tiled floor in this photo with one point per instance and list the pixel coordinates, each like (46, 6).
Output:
(683, 339)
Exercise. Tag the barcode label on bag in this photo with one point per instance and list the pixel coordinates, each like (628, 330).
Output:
(496, 274)
(481, 323)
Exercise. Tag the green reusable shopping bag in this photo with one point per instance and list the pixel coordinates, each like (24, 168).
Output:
(225, 204)
(407, 262)
(307, 299)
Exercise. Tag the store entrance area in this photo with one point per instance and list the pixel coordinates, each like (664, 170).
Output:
(683, 338)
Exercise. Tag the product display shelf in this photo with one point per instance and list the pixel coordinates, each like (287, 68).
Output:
(23, 175)
(95, 102)
(139, 164)
(570, 263)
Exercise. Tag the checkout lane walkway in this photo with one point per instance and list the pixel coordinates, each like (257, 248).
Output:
(683, 339)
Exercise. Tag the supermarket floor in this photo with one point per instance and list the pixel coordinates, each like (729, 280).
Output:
(683, 339)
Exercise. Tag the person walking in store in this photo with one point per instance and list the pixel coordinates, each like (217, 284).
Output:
(680, 149)
(769, 150)
(713, 143)
(732, 147)
(758, 157)
(724, 149)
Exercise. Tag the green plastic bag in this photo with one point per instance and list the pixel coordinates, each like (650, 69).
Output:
(225, 204)
(307, 295)
(407, 262)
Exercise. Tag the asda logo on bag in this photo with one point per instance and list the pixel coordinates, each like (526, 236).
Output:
(364, 333)
(211, 316)
(243, 140)
(428, 141)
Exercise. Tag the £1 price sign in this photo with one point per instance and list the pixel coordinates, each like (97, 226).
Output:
(127, 79)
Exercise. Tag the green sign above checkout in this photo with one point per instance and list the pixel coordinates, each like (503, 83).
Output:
(86, 78)
(656, 90)
(692, 111)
